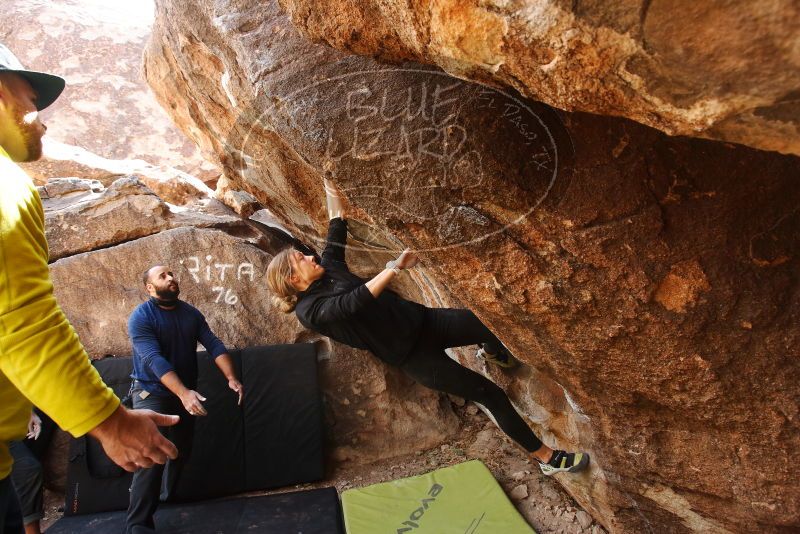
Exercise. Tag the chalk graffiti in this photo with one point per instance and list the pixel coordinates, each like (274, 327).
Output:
(423, 124)
(422, 144)
(429, 143)
(209, 271)
(225, 295)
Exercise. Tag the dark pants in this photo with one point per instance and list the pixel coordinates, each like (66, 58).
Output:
(429, 365)
(10, 514)
(147, 484)
(26, 477)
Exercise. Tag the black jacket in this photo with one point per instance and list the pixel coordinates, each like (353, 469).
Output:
(340, 306)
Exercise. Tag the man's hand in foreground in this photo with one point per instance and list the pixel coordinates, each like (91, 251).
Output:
(132, 440)
(34, 426)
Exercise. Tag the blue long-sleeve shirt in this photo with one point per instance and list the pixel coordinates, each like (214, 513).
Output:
(166, 340)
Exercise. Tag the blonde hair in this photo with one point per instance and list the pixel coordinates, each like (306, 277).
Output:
(284, 295)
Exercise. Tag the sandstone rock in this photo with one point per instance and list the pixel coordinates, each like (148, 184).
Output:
(557, 229)
(177, 187)
(95, 218)
(550, 493)
(241, 202)
(519, 492)
(681, 286)
(106, 108)
(485, 440)
(394, 417)
(60, 160)
(219, 274)
(584, 519)
(458, 401)
(45, 169)
(717, 70)
(61, 187)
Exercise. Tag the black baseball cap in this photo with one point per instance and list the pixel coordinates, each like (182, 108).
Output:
(47, 86)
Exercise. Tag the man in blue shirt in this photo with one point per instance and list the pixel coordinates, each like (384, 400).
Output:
(165, 332)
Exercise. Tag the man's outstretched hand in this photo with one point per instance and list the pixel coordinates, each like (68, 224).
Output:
(132, 440)
(237, 386)
(193, 402)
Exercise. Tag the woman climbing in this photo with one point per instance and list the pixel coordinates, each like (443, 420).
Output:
(327, 298)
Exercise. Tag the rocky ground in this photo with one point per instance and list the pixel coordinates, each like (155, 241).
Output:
(540, 500)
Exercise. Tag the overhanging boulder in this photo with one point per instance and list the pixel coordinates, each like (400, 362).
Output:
(651, 281)
(721, 70)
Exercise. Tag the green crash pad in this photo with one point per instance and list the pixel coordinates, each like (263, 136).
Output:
(461, 499)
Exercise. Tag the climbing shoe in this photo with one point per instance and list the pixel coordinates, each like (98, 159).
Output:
(501, 359)
(565, 462)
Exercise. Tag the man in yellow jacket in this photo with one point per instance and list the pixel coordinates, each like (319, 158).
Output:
(42, 361)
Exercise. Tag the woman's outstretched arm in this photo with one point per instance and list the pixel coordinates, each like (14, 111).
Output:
(406, 261)
(341, 307)
(337, 228)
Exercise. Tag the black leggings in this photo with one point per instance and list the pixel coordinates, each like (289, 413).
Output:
(429, 365)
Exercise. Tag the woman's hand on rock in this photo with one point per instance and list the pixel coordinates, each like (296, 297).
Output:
(407, 259)
(334, 198)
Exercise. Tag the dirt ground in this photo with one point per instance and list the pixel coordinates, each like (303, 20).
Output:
(540, 500)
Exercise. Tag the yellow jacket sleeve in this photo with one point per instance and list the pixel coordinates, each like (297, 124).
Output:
(42, 360)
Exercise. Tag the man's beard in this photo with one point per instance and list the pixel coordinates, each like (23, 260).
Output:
(168, 295)
(34, 145)
(31, 137)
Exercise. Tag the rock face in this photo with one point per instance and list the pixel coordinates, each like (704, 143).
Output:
(83, 215)
(219, 273)
(241, 202)
(373, 412)
(106, 108)
(722, 70)
(106, 238)
(650, 282)
(172, 185)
